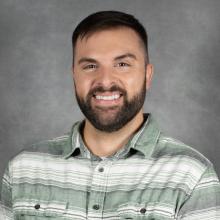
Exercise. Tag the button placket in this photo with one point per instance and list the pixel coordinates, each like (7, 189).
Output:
(98, 188)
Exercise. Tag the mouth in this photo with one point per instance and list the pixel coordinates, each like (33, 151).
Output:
(107, 98)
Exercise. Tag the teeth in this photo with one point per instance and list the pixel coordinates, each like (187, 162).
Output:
(112, 97)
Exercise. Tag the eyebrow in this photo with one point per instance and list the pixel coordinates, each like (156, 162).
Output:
(87, 59)
(91, 60)
(127, 55)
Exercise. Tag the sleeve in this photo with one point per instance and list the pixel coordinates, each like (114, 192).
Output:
(204, 201)
(6, 197)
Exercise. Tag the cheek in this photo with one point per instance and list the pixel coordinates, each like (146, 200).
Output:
(81, 89)
(134, 85)
(82, 85)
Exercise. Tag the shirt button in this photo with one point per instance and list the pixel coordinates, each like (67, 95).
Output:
(96, 207)
(143, 210)
(37, 206)
(101, 169)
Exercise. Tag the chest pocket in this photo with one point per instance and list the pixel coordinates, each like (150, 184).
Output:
(153, 211)
(38, 210)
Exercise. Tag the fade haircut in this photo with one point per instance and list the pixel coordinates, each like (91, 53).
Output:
(105, 20)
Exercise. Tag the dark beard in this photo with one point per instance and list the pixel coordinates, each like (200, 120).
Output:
(124, 114)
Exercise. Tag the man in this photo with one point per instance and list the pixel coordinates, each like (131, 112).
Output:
(116, 164)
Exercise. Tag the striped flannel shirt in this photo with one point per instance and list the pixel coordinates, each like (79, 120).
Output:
(153, 177)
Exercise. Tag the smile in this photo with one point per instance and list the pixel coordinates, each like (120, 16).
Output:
(107, 97)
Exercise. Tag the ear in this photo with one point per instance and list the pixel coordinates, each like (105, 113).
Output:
(149, 75)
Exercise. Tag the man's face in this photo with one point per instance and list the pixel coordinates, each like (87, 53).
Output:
(111, 77)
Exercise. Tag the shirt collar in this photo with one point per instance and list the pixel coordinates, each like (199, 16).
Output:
(73, 143)
(146, 138)
(143, 141)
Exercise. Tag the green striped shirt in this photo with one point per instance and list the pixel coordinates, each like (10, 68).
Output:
(152, 177)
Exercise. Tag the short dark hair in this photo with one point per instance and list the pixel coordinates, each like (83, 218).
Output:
(104, 20)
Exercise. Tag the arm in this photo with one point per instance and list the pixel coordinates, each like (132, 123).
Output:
(6, 197)
(204, 201)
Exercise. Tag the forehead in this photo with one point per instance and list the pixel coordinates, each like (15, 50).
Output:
(117, 40)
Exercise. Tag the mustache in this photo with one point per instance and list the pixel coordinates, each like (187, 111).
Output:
(114, 88)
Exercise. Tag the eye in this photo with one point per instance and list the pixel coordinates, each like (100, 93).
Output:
(89, 66)
(123, 64)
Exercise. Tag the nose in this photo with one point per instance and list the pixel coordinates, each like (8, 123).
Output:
(106, 77)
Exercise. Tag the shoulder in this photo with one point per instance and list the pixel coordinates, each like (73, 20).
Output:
(184, 164)
(41, 151)
(180, 153)
(54, 147)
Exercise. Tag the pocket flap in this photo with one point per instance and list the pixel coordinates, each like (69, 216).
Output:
(146, 211)
(39, 207)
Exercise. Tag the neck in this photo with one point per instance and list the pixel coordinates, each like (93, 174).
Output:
(107, 143)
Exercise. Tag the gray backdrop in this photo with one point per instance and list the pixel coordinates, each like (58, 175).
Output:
(36, 91)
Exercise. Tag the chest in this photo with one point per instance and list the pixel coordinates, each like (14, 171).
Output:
(81, 189)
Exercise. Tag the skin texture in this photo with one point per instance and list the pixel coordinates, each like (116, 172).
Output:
(107, 58)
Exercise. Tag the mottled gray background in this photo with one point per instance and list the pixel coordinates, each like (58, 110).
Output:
(36, 92)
